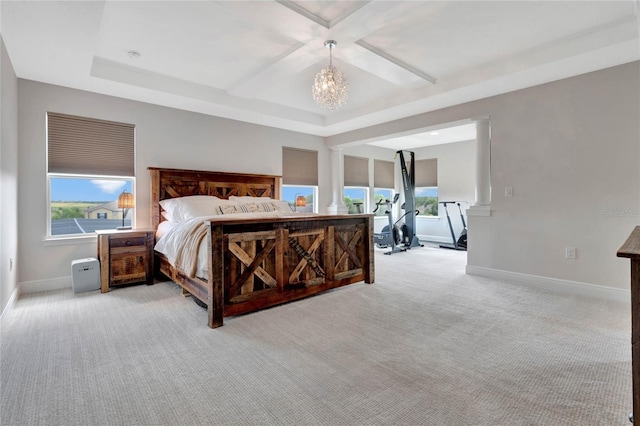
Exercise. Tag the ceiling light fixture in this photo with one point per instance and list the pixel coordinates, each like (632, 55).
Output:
(330, 88)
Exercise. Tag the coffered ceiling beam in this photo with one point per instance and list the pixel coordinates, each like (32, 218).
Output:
(351, 26)
(320, 20)
(396, 61)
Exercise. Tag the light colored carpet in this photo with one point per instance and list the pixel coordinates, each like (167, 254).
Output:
(424, 345)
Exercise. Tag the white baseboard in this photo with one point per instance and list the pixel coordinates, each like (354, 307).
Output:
(435, 239)
(11, 302)
(45, 285)
(553, 284)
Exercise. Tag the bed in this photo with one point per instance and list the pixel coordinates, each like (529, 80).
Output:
(262, 260)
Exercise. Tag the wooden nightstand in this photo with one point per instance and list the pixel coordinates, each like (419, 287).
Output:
(126, 257)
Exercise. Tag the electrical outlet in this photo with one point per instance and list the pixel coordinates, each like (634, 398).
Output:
(570, 252)
(10, 264)
(508, 191)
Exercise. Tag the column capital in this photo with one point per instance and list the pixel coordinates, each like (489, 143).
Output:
(482, 118)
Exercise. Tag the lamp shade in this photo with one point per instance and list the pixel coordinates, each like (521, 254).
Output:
(126, 200)
(301, 201)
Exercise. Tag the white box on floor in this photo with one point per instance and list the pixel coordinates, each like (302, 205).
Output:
(85, 274)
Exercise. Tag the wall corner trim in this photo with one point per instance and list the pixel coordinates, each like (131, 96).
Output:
(554, 285)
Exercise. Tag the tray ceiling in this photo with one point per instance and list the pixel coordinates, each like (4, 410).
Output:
(255, 60)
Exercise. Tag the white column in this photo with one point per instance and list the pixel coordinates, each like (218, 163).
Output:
(337, 206)
(483, 162)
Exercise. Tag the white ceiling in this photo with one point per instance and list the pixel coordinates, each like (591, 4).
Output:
(255, 60)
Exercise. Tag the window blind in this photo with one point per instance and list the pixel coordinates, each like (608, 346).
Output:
(78, 145)
(426, 172)
(383, 176)
(299, 166)
(356, 171)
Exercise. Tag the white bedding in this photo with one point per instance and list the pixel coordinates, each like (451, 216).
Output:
(172, 241)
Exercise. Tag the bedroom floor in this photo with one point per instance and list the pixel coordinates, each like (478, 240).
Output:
(424, 345)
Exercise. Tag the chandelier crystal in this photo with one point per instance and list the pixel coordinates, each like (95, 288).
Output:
(330, 88)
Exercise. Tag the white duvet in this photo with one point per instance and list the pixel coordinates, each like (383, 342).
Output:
(176, 240)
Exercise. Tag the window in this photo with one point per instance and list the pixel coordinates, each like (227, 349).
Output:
(426, 191)
(89, 163)
(290, 194)
(356, 200)
(300, 178)
(356, 184)
(383, 181)
(381, 194)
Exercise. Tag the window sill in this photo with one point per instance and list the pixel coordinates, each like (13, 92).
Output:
(63, 241)
(428, 218)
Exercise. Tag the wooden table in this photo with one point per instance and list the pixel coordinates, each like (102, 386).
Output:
(631, 249)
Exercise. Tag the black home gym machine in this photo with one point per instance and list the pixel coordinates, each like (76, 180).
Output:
(459, 243)
(391, 236)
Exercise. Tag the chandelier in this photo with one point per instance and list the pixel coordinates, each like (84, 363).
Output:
(330, 88)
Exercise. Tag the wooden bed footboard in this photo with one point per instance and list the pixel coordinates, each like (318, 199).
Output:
(261, 263)
(256, 263)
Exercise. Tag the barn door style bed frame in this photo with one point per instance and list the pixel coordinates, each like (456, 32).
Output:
(262, 262)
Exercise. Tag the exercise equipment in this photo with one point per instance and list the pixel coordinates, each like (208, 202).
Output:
(409, 237)
(404, 238)
(459, 243)
(390, 235)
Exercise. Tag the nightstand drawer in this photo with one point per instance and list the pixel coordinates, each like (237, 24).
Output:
(127, 269)
(127, 250)
(129, 241)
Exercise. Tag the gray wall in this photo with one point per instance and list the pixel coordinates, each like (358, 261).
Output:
(570, 150)
(165, 137)
(8, 177)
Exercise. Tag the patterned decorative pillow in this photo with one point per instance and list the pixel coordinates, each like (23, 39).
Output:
(246, 208)
(257, 207)
(275, 205)
(281, 206)
(228, 208)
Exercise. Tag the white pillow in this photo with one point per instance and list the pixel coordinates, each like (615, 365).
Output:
(184, 208)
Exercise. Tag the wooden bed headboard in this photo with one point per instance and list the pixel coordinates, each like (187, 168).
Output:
(173, 183)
